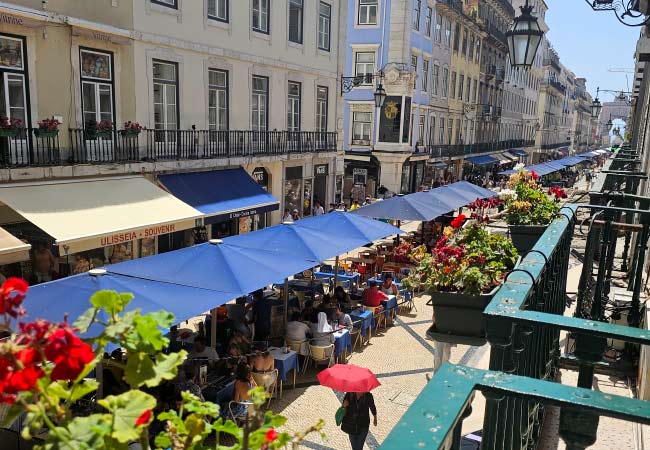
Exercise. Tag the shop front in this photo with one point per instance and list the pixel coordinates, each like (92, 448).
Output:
(294, 191)
(76, 225)
(362, 174)
(231, 201)
(321, 172)
(262, 178)
(413, 171)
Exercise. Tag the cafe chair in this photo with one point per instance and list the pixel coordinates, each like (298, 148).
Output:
(355, 337)
(239, 419)
(269, 381)
(320, 354)
(379, 316)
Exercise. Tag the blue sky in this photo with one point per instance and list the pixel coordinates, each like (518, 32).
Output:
(589, 43)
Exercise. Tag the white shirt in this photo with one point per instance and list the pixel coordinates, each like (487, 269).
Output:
(208, 353)
(297, 331)
(318, 211)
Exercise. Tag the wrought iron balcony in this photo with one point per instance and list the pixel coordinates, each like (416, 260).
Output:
(552, 146)
(29, 147)
(154, 145)
(523, 325)
(456, 150)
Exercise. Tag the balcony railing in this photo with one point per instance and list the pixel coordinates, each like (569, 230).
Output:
(153, 145)
(552, 146)
(456, 150)
(29, 147)
(523, 324)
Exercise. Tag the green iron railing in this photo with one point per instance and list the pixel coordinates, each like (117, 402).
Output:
(524, 321)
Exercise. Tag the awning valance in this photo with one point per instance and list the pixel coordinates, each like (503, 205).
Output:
(484, 160)
(518, 152)
(502, 159)
(221, 194)
(12, 249)
(84, 214)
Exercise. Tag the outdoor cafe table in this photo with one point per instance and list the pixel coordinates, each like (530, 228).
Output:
(354, 278)
(285, 363)
(342, 343)
(391, 305)
(367, 321)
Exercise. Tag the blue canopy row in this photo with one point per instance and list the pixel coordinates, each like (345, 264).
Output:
(548, 167)
(190, 281)
(426, 206)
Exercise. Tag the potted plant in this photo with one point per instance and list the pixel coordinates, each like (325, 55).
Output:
(131, 129)
(529, 209)
(462, 273)
(47, 128)
(10, 127)
(102, 129)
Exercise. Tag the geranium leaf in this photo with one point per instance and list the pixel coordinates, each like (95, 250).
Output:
(150, 333)
(84, 321)
(141, 370)
(126, 408)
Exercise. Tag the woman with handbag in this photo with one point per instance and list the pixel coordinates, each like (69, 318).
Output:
(356, 421)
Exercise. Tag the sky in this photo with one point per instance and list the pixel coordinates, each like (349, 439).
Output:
(590, 43)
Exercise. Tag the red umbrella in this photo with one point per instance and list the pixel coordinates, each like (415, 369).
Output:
(348, 378)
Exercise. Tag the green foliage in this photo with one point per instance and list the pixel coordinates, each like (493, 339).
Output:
(125, 410)
(529, 205)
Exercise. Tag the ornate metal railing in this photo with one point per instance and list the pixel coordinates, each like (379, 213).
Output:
(455, 150)
(29, 147)
(524, 321)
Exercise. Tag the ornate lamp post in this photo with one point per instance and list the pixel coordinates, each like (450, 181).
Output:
(524, 38)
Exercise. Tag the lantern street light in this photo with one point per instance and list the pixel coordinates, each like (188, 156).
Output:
(524, 38)
(380, 96)
(596, 107)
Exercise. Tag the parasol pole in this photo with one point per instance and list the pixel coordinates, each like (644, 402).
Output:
(213, 328)
(286, 301)
(336, 271)
(399, 225)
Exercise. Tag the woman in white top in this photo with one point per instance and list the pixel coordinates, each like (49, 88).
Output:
(323, 332)
(387, 286)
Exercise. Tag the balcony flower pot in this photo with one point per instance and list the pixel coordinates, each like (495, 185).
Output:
(524, 237)
(458, 317)
(9, 132)
(130, 133)
(45, 133)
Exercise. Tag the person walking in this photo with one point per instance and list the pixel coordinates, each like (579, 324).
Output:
(356, 422)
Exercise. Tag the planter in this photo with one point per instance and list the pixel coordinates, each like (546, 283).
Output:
(45, 133)
(9, 132)
(91, 135)
(458, 318)
(524, 237)
(130, 133)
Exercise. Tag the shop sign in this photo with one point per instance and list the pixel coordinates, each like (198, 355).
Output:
(241, 214)
(390, 119)
(11, 20)
(126, 236)
(261, 176)
(363, 172)
(321, 169)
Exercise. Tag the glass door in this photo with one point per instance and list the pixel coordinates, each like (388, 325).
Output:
(165, 107)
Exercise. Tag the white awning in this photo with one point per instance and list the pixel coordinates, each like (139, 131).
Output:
(12, 249)
(84, 214)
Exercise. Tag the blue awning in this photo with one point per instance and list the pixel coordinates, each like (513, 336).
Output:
(484, 160)
(518, 152)
(439, 165)
(570, 161)
(588, 155)
(220, 194)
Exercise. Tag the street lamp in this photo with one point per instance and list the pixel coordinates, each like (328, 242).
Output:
(524, 38)
(380, 96)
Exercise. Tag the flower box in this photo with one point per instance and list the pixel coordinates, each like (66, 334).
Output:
(45, 133)
(130, 133)
(458, 317)
(524, 237)
(9, 132)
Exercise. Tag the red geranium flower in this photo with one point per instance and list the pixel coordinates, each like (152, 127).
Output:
(271, 435)
(534, 175)
(458, 221)
(144, 418)
(69, 354)
(25, 379)
(12, 294)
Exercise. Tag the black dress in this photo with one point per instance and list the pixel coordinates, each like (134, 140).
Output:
(357, 415)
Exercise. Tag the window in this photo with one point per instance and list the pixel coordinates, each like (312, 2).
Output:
(368, 12)
(165, 96)
(364, 66)
(471, 47)
(438, 37)
(458, 130)
(464, 45)
(445, 81)
(450, 130)
(324, 26)
(434, 78)
(452, 85)
(461, 84)
(417, 8)
(96, 88)
(477, 50)
(475, 91)
(441, 133)
(414, 63)
(261, 16)
(293, 106)
(295, 21)
(456, 37)
(322, 107)
(217, 99)
(432, 130)
(167, 3)
(448, 33)
(361, 128)
(259, 103)
(425, 75)
(468, 88)
(218, 10)
(427, 22)
(421, 130)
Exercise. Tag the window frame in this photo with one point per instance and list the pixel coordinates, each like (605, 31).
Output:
(417, 14)
(435, 79)
(448, 33)
(166, 4)
(367, 6)
(268, 16)
(361, 141)
(452, 85)
(225, 88)
(421, 128)
(294, 101)
(365, 81)
(329, 27)
(425, 75)
(98, 82)
(322, 117)
(174, 83)
(445, 81)
(428, 20)
(216, 17)
(266, 102)
(301, 30)
(461, 87)
(438, 29)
